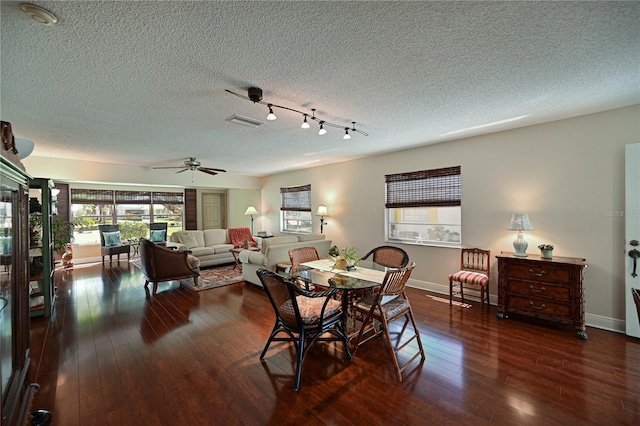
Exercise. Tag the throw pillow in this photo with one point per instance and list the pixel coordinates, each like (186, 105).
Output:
(112, 239)
(188, 240)
(158, 236)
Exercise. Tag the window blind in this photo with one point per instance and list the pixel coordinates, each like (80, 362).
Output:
(426, 188)
(91, 196)
(168, 197)
(296, 198)
(133, 197)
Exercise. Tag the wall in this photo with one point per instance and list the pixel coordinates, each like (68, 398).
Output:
(566, 174)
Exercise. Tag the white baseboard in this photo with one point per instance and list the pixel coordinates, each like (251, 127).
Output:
(592, 320)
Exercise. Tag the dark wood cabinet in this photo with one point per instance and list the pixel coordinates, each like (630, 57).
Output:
(14, 284)
(549, 289)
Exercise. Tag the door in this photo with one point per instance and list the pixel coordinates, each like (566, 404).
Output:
(632, 235)
(213, 210)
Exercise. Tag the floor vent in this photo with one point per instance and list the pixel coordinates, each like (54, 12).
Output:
(245, 121)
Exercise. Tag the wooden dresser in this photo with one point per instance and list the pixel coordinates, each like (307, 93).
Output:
(549, 289)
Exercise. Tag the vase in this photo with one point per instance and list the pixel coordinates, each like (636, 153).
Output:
(546, 254)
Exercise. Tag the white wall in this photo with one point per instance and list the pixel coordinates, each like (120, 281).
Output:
(566, 174)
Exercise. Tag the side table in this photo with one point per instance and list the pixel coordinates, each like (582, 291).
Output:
(237, 250)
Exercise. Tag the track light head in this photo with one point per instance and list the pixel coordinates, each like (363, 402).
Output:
(346, 133)
(271, 115)
(305, 124)
(322, 131)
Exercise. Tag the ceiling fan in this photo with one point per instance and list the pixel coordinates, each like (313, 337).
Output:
(192, 164)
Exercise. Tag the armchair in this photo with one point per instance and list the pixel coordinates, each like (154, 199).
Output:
(158, 233)
(111, 244)
(164, 264)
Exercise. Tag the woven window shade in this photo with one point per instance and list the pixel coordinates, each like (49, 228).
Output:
(133, 197)
(168, 198)
(296, 198)
(426, 188)
(91, 196)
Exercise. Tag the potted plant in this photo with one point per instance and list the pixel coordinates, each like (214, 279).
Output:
(546, 251)
(347, 259)
(62, 234)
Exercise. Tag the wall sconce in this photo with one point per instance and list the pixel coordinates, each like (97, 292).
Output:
(250, 212)
(520, 222)
(322, 212)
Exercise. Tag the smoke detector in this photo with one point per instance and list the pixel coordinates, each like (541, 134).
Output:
(38, 14)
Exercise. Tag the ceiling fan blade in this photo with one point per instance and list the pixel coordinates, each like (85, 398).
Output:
(202, 169)
(208, 171)
(174, 167)
(184, 169)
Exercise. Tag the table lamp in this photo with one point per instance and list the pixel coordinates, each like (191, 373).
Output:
(250, 212)
(322, 212)
(520, 222)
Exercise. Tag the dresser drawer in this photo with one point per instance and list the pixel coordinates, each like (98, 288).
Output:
(537, 306)
(539, 289)
(539, 273)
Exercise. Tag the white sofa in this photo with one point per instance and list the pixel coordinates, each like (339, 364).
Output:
(276, 250)
(211, 246)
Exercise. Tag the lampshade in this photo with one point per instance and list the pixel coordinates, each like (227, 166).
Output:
(322, 210)
(520, 222)
(250, 211)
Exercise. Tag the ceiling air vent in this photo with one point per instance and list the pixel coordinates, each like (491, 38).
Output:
(245, 121)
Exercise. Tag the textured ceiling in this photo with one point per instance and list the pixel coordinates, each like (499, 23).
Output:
(144, 83)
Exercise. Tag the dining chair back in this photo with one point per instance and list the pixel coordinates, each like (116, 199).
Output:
(636, 298)
(303, 316)
(474, 270)
(389, 256)
(300, 255)
(389, 304)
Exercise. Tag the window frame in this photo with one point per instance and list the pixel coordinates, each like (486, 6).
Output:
(296, 200)
(114, 200)
(425, 189)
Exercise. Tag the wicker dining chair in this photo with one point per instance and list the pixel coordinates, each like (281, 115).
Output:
(300, 255)
(388, 304)
(304, 316)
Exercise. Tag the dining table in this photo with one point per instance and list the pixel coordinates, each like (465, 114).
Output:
(367, 275)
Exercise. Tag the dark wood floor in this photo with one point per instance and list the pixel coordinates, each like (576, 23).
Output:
(113, 356)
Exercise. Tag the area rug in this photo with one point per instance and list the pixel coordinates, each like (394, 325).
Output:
(215, 277)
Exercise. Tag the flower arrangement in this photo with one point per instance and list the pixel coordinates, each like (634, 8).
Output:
(346, 258)
(545, 247)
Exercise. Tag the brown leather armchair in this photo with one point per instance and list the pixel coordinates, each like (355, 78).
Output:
(163, 264)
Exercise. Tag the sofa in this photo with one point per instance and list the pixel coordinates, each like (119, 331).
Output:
(275, 250)
(211, 246)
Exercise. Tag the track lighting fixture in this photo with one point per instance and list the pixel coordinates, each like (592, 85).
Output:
(271, 115)
(255, 96)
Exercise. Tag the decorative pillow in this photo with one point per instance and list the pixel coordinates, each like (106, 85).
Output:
(158, 236)
(112, 239)
(188, 240)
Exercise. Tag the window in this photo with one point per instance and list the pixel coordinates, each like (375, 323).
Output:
(132, 210)
(295, 208)
(424, 207)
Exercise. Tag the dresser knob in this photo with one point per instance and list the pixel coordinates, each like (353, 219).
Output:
(537, 274)
(541, 290)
